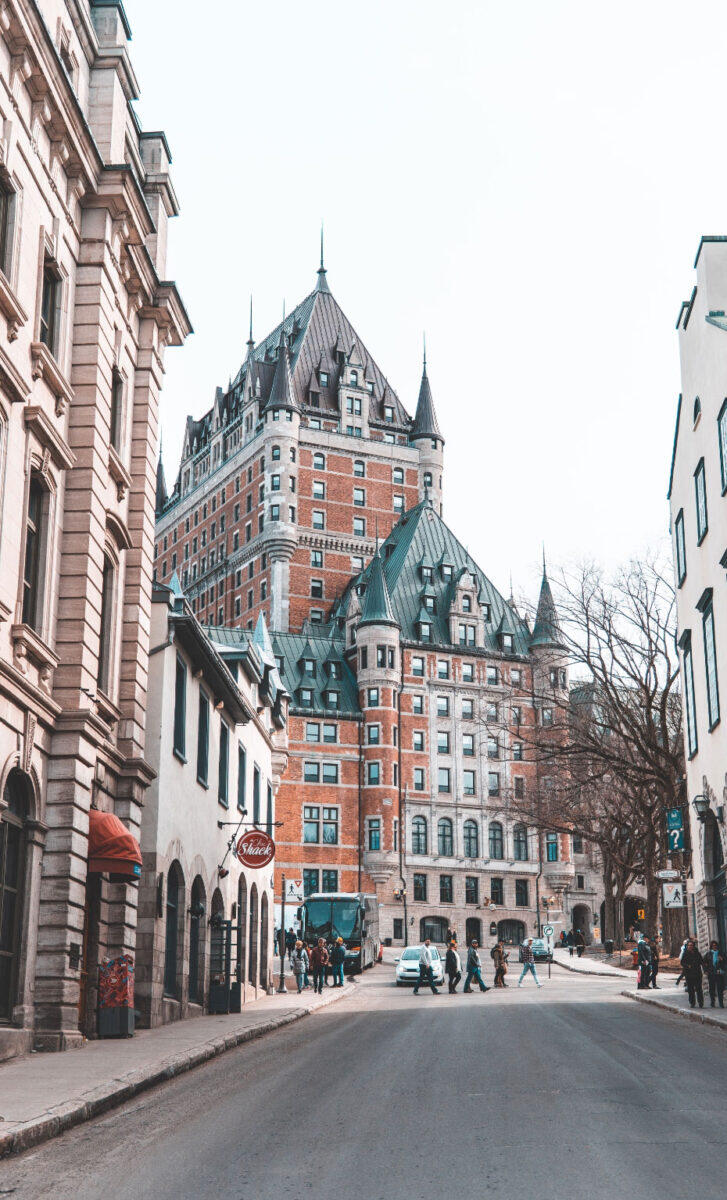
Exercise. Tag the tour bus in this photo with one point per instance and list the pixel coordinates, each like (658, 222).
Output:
(353, 916)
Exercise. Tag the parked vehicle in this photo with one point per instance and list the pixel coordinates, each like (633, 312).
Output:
(352, 916)
(540, 950)
(407, 966)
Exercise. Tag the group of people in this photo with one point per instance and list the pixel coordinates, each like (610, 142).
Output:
(574, 939)
(695, 965)
(473, 966)
(647, 962)
(318, 960)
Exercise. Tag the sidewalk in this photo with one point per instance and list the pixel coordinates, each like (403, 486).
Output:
(675, 1000)
(41, 1095)
(589, 966)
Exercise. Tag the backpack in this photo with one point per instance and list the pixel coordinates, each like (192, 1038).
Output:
(493, 951)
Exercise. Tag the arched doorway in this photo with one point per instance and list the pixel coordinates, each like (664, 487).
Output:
(631, 913)
(17, 797)
(197, 910)
(241, 931)
(173, 939)
(264, 981)
(434, 928)
(254, 934)
(714, 873)
(217, 938)
(511, 933)
(582, 921)
(473, 930)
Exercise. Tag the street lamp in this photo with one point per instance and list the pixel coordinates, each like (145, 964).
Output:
(701, 807)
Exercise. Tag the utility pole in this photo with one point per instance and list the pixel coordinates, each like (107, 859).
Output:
(281, 984)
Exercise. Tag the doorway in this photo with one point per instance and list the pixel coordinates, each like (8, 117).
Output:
(582, 921)
(473, 930)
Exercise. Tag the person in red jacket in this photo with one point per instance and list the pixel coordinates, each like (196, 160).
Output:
(319, 962)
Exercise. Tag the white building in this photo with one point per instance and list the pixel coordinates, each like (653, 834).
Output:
(698, 511)
(218, 745)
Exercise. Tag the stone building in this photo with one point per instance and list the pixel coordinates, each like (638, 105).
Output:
(217, 745)
(698, 514)
(85, 316)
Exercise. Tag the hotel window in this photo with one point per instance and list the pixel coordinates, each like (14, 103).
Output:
(425, 631)
(443, 668)
(274, 512)
(686, 643)
(275, 454)
(310, 881)
(468, 709)
(375, 833)
(443, 779)
(330, 826)
(398, 504)
(316, 589)
(471, 889)
(180, 709)
(466, 604)
(373, 697)
(319, 489)
(330, 772)
(497, 891)
(493, 747)
(710, 662)
(507, 642)
(700, 491)
(722, 427)
(316, 558)
(471, 839)
(420, 883)
(496, 842)
(332, 699)
(330, 732)
(241, 777)
(319, 519)
(442, 706)
(418, 779)
(520, 843)
(445, 889)
(517, 751)
(493, 783)
(274, 485)
(522, 900)
(373, 773)
(311, 772)
(418, 740)
(50, 306)
(35, 537)
(398, 476)
(417, 665)
(373, 735)
(359, 526)
(493, 676)
(681, 549)
(468, 673)
(323, 378)
(117, 409)
(427, 479)
(516, 675)
(551, 847)
(108, 588)
(547, 716)
(442, 742)
(468, 744)
(223, 771)
(316, 616)
(468, 782)
(577, 840)
(359, 497)
(519, 785)
(312, 731)
(417, 704)
(359, 468)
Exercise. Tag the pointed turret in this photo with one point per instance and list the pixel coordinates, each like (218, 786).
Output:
(376, 607)
(261, 637)
(546, 631)
(322, 285)
(161, 492)
(281, 393)
(425, 418)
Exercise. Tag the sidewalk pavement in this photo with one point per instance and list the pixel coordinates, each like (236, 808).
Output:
(588, 966)
(42, 1095)
(675, 1000)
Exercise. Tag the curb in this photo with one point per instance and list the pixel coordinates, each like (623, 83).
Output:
(691, 1015)
(612, 972)
(117, 1091)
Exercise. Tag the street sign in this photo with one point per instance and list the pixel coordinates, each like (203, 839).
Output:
(255, 848)
(667, 874)
(640, 914)
(674, 818)
(675, 838)
(673, 895)
(548, 930)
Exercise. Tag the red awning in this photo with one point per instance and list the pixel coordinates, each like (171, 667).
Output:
(111, 847)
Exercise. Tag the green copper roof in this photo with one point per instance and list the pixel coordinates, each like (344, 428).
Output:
(376, 607)
(425, 418)
(325, 647)
(547, 627)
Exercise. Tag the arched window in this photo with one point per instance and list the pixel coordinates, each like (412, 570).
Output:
(435, 928)
(275, 454)
(175, 904)
(551, 847)
(241, 929)
(496, 842)
(520, 843)
(359, 468)
(217, 938)
(512, 933)
(471, 839)
(444, 836)
(319, 462)
(12, 862)
(354, 379)
(108, 590)
(419, 835)
(196, 941)
(254, 934)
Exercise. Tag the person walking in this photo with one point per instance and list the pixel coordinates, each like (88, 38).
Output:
(528, 961)
(474, 968)
(715, 964)
(569, 941)
(319, 962)
(426, 975)
(579, 942)
(655, 957)
(453, 966)
(290, 943)
(499, 959)
(338, 958)
(692, 968)
(299, 964)
(643, 963)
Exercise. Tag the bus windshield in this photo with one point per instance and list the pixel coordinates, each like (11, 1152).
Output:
(331, 919)
(346, 919)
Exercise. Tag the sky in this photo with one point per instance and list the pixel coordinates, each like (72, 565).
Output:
(525, 182)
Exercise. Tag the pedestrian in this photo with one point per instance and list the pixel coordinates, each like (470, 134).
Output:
(655, 957)
(692, 968)
(680, 976)
(580, 942)
(499, 958)
(426, 975)
(528, 961)
(290, 944)
(715, 965)
(569, 941)
(643, 962)
(319, 962)
(474, 968)
(299, 964)
(338, 958)
(453, 966)
(562, 939)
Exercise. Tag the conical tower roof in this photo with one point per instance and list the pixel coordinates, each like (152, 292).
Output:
(281, 393)
(546, 631)
(376, 607)
(161, 492)
(425, 418)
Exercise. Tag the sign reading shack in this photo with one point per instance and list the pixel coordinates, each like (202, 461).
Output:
(255, 849)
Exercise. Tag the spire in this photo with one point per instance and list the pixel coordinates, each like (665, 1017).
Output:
(250, 338)
(376, 607)
(281, 393)
(261, 636)
(546, 631)
(322, 285)
(425, 418)
(161, 493)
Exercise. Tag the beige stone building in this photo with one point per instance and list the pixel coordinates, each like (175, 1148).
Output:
(217, 742)
(85, 316)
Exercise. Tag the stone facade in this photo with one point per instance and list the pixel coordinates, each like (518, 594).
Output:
(217, 745)
(85, 316)
(698, 515)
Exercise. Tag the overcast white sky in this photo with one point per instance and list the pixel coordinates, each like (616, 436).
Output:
(526, 181)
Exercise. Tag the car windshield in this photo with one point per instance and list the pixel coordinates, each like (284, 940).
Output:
(411, 952)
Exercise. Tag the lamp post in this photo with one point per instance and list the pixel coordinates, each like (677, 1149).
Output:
(701, 807)
(282, 989)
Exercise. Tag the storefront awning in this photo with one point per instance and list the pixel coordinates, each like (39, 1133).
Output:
(111, 847)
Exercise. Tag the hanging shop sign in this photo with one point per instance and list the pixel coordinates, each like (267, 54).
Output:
(255, 849)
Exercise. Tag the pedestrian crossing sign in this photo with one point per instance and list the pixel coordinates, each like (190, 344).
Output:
(673, 895)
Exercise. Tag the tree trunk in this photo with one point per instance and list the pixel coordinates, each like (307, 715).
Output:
(675, 930)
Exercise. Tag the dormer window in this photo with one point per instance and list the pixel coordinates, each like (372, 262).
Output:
(388, 413)
(507, 643)
(486, 612)
(306, 698)
(425, 631)
(370, 387)
(429, 604)
(427, 574)
(467, 604)
(336, 670)
(447, 571)
(332, 699)
(323, 377)
(354, 379)
(309, 666)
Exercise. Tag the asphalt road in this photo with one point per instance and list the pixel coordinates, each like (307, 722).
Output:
(567, 1093)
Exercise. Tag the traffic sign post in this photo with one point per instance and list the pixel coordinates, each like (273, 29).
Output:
(673, 895)
(667, 873)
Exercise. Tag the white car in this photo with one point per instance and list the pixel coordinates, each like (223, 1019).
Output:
(407, 967)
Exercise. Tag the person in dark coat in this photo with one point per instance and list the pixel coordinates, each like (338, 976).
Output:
(319, 962)
(715, 964)
(290, 942)
(643, 962)
(654, 962)
(338, 958)
(499, 958)
(453, 966)
(569, 941)
(692, 968)
(579, 942)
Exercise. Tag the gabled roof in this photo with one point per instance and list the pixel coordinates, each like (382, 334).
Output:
(422, 536)
(324, 645)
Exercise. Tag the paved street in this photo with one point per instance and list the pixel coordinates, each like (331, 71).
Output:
(564, 1093)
